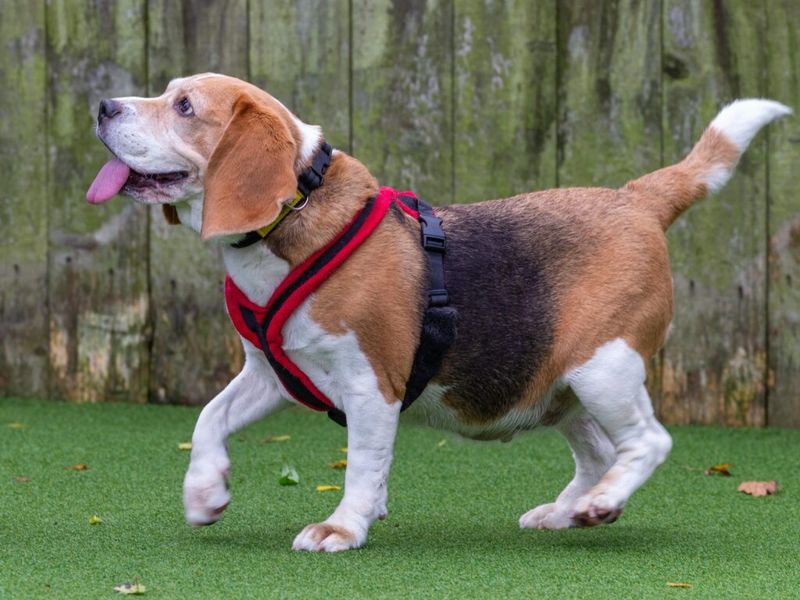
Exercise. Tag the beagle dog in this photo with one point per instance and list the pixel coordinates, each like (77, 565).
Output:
(561, 296)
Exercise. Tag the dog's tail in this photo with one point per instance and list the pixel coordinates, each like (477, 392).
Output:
(710, 164)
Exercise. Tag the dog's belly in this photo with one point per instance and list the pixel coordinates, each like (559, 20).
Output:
(431, 409)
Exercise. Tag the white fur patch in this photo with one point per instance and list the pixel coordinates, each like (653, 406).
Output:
(610, 386)
(739, 122)
(430, 409)
(311, 135)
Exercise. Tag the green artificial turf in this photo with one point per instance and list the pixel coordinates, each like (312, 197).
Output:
(452, 526)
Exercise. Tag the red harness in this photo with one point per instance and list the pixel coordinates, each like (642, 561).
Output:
(263, 325)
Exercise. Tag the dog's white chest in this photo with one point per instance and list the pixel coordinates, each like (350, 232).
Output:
(333, 362)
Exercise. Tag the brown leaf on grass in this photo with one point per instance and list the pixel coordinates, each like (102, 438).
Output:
(185, 446)
(679, 584)
(77, 467)
(130, 589)
(758, 488)
(16, 425)
(21, 479)
(720, 469)
(343, 450)
(339, 464)
(95, 520)
(273, 439)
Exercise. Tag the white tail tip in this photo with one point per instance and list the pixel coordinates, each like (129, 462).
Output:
(741, 119)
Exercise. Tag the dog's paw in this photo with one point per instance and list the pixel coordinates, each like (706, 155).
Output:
(325, 537)
(546, 516)
(596, 509)
(205, 495)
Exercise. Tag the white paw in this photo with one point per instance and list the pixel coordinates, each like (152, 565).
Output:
(546, 516)
(326, 537)
(596, 509)
(205, 494)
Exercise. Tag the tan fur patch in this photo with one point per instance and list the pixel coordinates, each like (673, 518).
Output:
(377, 292)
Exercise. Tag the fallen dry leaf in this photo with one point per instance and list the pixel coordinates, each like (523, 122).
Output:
(16, 425)
(328, 488)
(343, 450)
(21, 479)
(720, 469)
(95, 520)
(339, 464)
(758, 488)
(679, 584)
(272, 439)
(185, 446)
(77, 467)
(130, 589)
(441, 443)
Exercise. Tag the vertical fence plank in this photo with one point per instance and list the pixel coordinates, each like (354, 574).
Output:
(300, 53)
(195, 349)
(783, 84)
(97, 268)
(23, 200)
(610, 93)
(402, 94)
(610, 99)
(714, 361)
(505, 98)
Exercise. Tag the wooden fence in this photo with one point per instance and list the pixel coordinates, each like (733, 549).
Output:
(460, 100)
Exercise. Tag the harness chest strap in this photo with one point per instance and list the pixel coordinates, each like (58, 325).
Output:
(263, 325)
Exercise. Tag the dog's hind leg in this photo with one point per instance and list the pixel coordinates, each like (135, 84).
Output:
(611, 388)
(593, 454)
(251, 395)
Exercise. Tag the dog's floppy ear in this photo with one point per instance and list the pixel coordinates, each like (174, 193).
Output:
(250, 173)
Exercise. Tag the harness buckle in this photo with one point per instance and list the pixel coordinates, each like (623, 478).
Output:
(433, 239)
(438, 298)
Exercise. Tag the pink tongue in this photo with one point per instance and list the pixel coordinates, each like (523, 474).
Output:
(109, 181)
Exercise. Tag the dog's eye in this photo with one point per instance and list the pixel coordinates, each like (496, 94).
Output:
(184, 107)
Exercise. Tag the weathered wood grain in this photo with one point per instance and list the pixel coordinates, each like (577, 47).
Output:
(609, 91)
(783, 84)
(23, 200)
(402, 94)
(300, 53)
(715, 359)
(504, 98)
(97, 271)
(609, 100)
(195, 349)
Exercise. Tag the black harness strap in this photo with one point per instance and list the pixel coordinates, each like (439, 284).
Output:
(439, 321)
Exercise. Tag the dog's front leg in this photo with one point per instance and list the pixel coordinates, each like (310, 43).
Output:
(371, 429)
(251, 395)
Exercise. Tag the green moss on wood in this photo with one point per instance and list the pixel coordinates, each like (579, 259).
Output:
(783, 84)
(717, 247)
(504, 98)
(402, 95)
(97, 289)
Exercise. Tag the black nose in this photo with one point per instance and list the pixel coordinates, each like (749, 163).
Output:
(108, 109)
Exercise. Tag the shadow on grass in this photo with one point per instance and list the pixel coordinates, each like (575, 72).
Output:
(427, 537)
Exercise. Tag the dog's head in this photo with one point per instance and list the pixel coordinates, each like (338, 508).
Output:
(208, 138)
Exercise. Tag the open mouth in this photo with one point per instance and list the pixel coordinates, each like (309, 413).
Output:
(115, 177)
